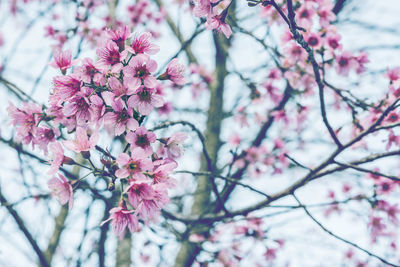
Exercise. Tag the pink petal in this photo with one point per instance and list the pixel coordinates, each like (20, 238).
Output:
(122, 173)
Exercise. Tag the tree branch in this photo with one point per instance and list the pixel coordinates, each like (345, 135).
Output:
(18, 220)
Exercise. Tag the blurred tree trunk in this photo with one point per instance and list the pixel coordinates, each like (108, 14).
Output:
(202, 200)
(56, 235)
(124, 248)
(60, 220)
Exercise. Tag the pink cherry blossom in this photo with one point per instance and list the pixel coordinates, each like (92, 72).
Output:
(314, 40)
(391, 210)
(332, 40)
(161, 172)
(62, 190)
(361, 59)
(120, 119)
(377, 227)
(202, 71)
(62, 60)
(119, 89)
(121, 218)
(174, 145)
(218, 22)
(139, 71)
(65, 87)
(345, 62)
(235, 140)
(57, 155)
(393, 74)
(326, 16)
(97, 110)
(305, 14)
(79, 106)
(147, 199)
(175, 72)
(145, 100)
(139, 191)
(165, 109)
(202, 8)
(87, 72)
(295, 53)
(110, 56)
(82, 142)
(119, 36)
(141, 45)
(270, 254)
(45, 135)
(393, 139)
(26, 120)
(133, 165)
(141, 138)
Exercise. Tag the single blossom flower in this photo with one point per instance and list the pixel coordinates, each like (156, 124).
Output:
(202, 8)
(121, 218)
(134, 165)
(345, 62)
(393, 139)
(82, 142)
(326, 16)
(120, 119)
(57, 155)
(139, 72)
(305, 14)
(26, 120)
(165, 109)
(79, 106)
(141, 45)
(62, 60)
(393, 74)
(119, 89)
(45, 135)
(110, 55)
(62, 190)
(145, 100)
(162, 171)
(174, 145)
(147, 199)
(141, 138)
(119, 36)
(174, 72)
(97, 110)
(314, 40)
(218, 23)
(88, 72)
(332, 40)
(65, 87)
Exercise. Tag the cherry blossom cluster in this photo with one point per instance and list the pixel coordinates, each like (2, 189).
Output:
(238, 240)
(91, 21)
(215, 12)
(315, 17)
(115, 92)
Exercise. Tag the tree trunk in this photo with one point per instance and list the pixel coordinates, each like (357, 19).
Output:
(188, 252)
(124, 251)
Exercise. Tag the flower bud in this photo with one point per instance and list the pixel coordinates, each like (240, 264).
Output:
(111, 186)
(86, 154)
(68, 161)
